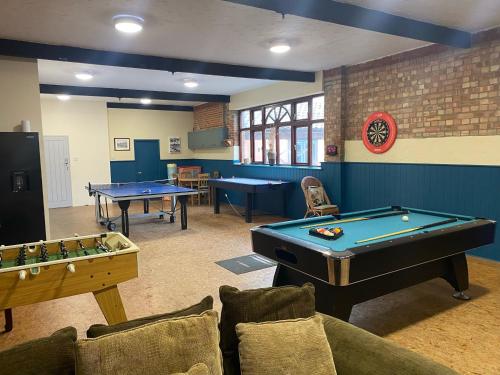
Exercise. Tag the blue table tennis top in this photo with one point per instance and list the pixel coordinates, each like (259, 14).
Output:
(140, 189)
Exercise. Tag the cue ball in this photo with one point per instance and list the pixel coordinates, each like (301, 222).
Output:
(405, 218)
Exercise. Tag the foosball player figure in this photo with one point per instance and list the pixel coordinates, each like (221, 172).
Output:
(44, 254)
(82, 247)
(21, 257)
(64, 251)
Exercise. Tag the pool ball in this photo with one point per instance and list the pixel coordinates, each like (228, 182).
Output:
(405, 218)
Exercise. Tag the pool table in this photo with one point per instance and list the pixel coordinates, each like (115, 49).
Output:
(378, 253)
(249, 186)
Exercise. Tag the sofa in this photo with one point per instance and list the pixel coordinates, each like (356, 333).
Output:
(355, 351)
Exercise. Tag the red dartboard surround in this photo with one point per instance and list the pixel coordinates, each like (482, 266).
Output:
(379, 132)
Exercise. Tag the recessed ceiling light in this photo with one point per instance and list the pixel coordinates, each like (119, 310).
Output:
(84, 76)
(64, 97)
(145, 101)
(279, 47)
(189, 83)
(128, 24)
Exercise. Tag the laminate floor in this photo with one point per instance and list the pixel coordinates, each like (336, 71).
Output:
(177, 268)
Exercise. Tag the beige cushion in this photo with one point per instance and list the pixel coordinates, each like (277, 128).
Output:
(97, 330)
(326, 207)
(259, 305)
(198, 369)
(297, 346)
(162, 347)
(316, 195)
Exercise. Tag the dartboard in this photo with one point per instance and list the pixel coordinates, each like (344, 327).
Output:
(379, 132)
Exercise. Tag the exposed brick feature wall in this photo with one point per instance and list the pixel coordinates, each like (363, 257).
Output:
(215, 115)
(231, 122)
(209, 115)
(335, 105)
(435, 91)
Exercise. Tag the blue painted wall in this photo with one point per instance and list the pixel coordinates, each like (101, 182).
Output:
(469, 190)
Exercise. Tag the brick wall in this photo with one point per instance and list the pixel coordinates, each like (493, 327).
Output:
(435, 91)
(209, 115)
(214, 115)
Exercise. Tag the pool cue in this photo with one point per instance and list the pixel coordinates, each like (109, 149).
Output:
(409, 230)
(394, 213)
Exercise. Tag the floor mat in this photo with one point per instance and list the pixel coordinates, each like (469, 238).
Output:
(246, 263)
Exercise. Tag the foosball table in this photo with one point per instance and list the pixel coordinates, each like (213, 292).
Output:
(46, 270)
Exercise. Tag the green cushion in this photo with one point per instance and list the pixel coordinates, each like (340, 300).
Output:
(259, 305)
(358, 352)
(161, 347)
(294, 346)
(53, 355)
(97, 330)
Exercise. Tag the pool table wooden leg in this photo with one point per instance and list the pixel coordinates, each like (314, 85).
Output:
(329, 300)
(248, 210)
(216, 199)
(458, 275)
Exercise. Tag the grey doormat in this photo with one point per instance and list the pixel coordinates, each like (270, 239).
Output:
(246, 263)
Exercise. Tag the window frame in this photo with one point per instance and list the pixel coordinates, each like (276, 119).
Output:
(294, 124)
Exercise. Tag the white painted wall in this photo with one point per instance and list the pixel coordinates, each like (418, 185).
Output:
(20, 100)
(275, 93)
(474, 150)
(85, 122)
(149, 124)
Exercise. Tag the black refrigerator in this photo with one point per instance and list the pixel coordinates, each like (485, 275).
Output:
(22, 216)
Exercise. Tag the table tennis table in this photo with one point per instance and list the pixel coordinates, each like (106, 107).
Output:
(124, 193)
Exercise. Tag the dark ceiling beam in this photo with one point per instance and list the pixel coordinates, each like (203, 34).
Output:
(130, 60)
(158, 107)
(364, 18)
(132, 94)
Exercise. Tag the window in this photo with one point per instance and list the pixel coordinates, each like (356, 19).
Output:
(257, 117)
(285, 143)
(245, 119)
(292, 132)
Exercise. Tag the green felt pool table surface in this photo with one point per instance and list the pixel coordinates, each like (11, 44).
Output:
(364, 229)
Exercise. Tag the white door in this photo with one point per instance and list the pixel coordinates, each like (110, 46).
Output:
(57, 163)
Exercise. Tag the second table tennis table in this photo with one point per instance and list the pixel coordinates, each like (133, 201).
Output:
(124, 193)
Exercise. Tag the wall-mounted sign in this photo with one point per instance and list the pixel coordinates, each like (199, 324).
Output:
(379, 132)
(174, 145)
(122, 144)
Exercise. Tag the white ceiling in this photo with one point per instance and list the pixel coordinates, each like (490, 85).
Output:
(63, 73)
(467, 15)
(218, 31)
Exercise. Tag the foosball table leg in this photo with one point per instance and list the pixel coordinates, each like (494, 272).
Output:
(111, 305)
(9, 324)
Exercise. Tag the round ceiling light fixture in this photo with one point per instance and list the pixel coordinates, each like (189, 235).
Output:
(84, 76)
(145, 101)
(279, 46)
(128, 24)
(190, 83)
(63, 97)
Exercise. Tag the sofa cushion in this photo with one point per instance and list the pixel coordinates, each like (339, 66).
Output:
(97, 330)
(259, 305)
(161, 347)
(296, 346)
(46, 356)
(198, 369)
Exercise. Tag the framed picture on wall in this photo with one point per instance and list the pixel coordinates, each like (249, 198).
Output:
(122, 144)
(174, 145)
